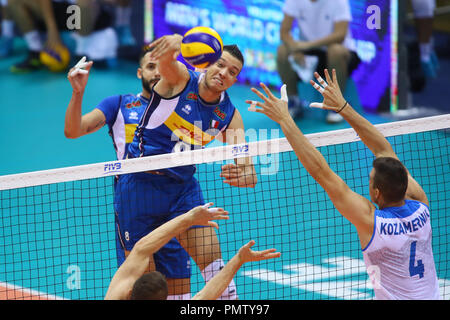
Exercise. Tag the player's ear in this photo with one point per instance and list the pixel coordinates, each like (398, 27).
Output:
(139, 73)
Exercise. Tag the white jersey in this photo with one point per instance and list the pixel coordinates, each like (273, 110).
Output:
(399, 257)
(316, 19)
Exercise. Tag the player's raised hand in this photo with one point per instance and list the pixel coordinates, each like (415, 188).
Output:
(246, 254)
(202, 215)
(170, 44)
(329, 89)
(239, 175)
(273, 107)
(79, 74)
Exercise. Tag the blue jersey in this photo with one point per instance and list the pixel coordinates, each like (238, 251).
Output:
(123, 113)
(182, 122)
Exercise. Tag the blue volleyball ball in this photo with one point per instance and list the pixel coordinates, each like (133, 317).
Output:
(201, 47)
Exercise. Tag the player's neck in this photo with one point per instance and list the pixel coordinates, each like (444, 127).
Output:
(146, 94)
(208, 95)
(393, 204)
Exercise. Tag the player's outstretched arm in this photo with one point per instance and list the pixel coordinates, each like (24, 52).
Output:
(369, 134)
(215, 287)
(174, 74)
(76, 125)
(355, 208)
(334, 100)
(136, 263)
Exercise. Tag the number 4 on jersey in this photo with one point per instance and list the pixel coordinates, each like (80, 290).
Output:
(413, 268)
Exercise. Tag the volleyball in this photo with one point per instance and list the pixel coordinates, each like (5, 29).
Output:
(201, 47)
(55, 59)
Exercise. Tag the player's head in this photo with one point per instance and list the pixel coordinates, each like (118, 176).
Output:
(388, 181)
(150, 286)
(223, 74)
(148, 70)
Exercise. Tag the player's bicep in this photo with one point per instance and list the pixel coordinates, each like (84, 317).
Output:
(92, 121)
(415, 191)
(234, 134)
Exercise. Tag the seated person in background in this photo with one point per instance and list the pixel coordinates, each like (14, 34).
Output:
(7, 34)
(95, 38)
(325, 34)
(424, 14)
(122, 19)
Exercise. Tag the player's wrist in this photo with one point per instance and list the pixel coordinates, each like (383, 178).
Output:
(286, 121)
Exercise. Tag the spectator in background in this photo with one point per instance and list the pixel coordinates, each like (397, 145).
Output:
(424, 14)
(325, 34)
(95, 39)
(123, 11)
(7, 35)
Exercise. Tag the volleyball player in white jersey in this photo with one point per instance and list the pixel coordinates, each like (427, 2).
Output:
(396, 237)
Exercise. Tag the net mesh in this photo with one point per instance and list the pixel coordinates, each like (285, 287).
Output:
(57, 240)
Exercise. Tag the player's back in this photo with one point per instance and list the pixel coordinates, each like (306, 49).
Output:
(399, 256)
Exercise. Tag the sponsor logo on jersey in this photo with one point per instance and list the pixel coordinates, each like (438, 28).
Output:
(133, 104)
(192, 96)
(220, 114)
(187, 109)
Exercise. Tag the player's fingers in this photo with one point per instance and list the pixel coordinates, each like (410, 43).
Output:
(259, 94)
(283, 93)
(267, 91)
(250, 244)
(213, 224)
(89, 65)
(253, 104)
(316, 86)
(207, 205)
(316, 105)
(271, 255)
(320, 80)
(228, 166)
(81, 61)
(233, 182)
(74, 72)
(335, 80)
(327, 76)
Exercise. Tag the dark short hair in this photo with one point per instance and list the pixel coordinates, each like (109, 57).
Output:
(145, 49)
(234, 51)
(390, 178)
(150, 286)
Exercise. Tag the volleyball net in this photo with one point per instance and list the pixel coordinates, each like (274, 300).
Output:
(57, 227)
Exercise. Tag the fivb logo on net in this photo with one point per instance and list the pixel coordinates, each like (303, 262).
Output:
(267, 154)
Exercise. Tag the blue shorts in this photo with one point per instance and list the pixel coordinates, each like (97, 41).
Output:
(145, 201)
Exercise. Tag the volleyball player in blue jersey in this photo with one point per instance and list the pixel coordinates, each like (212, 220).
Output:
(122, 114)
(396, 237)
(187, 111)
